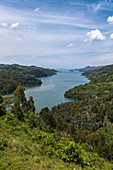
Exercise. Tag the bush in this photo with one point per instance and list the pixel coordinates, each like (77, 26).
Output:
(10, 118)
(3, 143)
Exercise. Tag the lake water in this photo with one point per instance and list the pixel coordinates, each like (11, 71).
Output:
(52, 90)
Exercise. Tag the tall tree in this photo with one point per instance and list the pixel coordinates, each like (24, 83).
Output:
(22, 106)
(19, 102)
(29, 106)
(20, 95)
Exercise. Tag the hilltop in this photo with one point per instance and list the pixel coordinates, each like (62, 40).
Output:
(87, 68)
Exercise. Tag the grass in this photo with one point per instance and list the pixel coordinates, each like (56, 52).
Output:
(19, 152)
(21, 148)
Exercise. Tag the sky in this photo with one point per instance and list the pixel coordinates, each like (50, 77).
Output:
(56, 33)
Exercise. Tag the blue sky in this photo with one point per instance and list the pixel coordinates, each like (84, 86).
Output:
(56, 33)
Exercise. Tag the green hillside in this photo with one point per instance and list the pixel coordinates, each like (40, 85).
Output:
(74, 135)
(101, 84)
(104, 74)
(56, 139)
(14, 75)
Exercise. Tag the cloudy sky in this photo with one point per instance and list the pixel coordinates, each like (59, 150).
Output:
(56, 33)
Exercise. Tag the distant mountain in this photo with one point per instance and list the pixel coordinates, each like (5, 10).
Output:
(87, 68)
(13, 75)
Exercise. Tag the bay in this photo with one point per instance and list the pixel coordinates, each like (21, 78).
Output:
(52, 90)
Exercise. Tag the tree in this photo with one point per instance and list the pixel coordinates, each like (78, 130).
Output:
(1, 99)
(2, 109)
(8, 104)
(47, 118)
(29, 106)
(20, 95)
(19, 102)
(22, 106)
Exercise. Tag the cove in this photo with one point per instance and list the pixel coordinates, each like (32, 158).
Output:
(52, 90)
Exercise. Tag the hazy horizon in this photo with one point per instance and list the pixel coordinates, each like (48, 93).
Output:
(57, 68)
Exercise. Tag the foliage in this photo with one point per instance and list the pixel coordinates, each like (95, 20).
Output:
(90, 90)
(101, 84)
(21, 146)
(74, 135)
(21, 106)
(21, 75)
(104, 74)
(2, 108)
(19, 151)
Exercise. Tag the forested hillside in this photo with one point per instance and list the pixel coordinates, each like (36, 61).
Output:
(13, 75)
(75, 135)
(104, 74)
(71, 135)
(101, 84)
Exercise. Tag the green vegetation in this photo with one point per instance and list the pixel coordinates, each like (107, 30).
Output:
(71, 136)
(14, 75)
(101, 85)
(22, 147)
(75, 135)
(104, 74)
(90, 90)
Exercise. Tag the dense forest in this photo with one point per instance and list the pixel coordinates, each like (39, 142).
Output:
(14, 75)
(73, 135)
(104, 74)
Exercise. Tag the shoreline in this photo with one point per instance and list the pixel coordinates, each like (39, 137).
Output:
(7, 96)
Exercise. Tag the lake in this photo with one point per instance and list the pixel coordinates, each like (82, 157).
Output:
(52, 90)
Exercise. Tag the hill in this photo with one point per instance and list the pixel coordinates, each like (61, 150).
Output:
(13, 75)
(101, 84)
(70, 136)
(87, 68)
(104, 74)
(73, 135)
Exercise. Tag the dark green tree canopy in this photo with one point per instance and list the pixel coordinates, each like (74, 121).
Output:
(22, 106)
(19, 94)
(2, 109)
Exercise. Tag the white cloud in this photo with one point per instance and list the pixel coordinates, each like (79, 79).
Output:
(23, 17)
(111, 36)
(95, 35)
(15, 25)
(102, 5)
(4, 24)
(110, 20)
(71, 45)
(37, 9)
(97, 7)
(51, 42)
